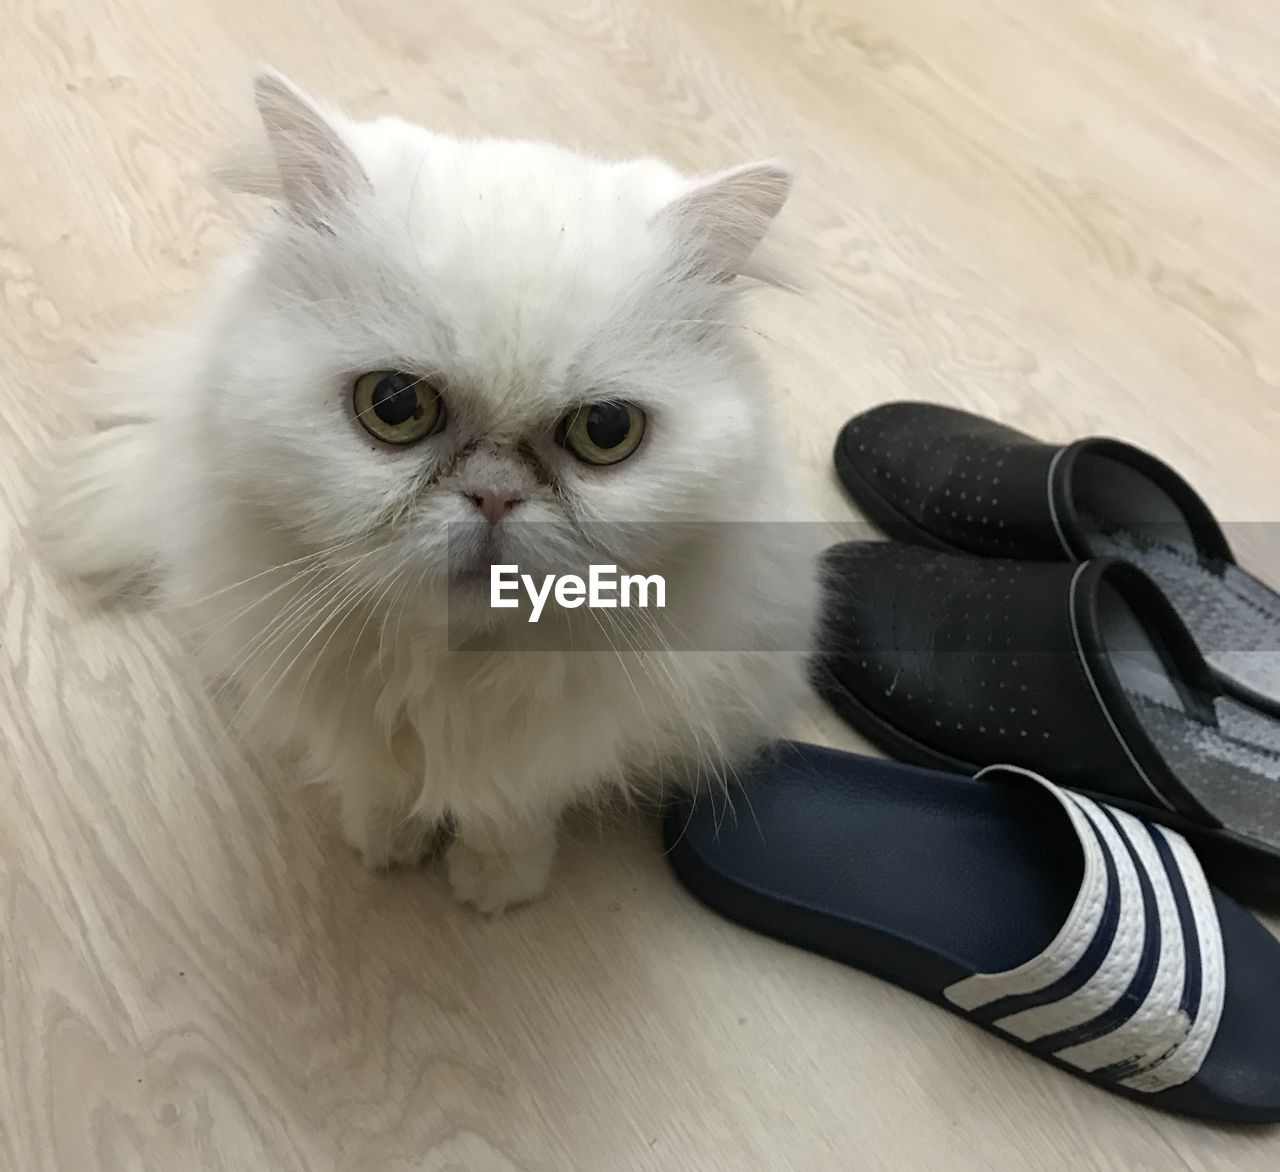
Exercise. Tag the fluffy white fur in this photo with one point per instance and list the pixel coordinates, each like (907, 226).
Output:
(307, 561)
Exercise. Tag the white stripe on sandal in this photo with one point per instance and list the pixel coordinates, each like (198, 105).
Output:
(1131, 988)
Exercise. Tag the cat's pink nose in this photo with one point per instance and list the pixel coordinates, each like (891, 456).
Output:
(494, 505)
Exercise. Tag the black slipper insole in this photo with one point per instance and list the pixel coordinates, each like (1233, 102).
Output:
(1233, 617)
(1233, 770)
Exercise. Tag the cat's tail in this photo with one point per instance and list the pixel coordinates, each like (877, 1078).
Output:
(100, 510)
(97, 513)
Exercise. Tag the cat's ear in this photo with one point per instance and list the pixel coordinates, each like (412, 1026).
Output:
(306, 164)
(725, 216)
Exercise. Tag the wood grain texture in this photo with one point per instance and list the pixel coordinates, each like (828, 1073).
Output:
(1064, 214)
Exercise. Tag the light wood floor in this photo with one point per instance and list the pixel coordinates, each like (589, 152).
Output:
(1066, 213)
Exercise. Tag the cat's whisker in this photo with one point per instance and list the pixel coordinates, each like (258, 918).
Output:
(412, 586)
(392, 602)
(355, 597)
(336, 586)
(318, 555)
(297, 613)
(210, 632)
(640, 704)
(391, 580)
(667, 701)
(292, 608)
(334, 606)
(722, 774)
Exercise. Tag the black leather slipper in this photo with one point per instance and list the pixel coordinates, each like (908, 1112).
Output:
(940, 477)
(1085, 936)
(1083, 672)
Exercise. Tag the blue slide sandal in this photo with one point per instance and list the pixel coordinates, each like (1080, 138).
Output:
(1074, 930)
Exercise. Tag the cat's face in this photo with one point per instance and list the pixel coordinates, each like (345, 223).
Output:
(476, 353)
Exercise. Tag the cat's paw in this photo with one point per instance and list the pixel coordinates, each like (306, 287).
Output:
(491, 882)
(384, 844)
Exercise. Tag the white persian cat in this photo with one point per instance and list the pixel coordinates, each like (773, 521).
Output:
(439, 355)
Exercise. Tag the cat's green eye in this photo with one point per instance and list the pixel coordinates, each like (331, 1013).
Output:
(396, 407)
(602, 433)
